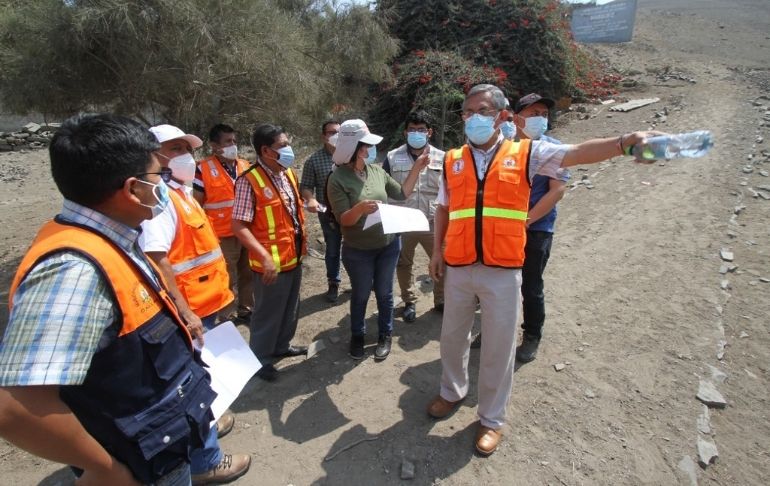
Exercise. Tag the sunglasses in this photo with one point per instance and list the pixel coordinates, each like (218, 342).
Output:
(164, 173)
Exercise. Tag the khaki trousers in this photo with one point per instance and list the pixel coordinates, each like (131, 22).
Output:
(404, 274)
(241, 276)
(499, 317)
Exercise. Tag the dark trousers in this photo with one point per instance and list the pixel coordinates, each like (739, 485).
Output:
(536, 254)
(275, 314)
(333, 240)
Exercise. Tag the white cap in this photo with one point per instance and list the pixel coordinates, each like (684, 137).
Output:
(164, 133)
(351, 132)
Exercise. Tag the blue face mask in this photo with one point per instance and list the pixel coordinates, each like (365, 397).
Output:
(285, 156)
(160, 191)
(535, 126)
(479, 129)
(371, 155)
(508, 129)
(416, 139)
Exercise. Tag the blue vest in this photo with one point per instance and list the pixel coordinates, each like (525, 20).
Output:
(540, 186)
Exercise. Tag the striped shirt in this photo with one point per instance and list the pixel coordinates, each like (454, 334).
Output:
(62, 309)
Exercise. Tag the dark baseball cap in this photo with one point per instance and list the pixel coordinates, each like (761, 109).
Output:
(531, 99)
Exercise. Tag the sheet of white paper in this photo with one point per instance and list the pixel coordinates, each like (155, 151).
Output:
(231, 364)
(397, 219)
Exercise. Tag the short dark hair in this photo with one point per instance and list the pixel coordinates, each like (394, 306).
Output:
(419, 117)
(327, 123)
(265, 135)
(355, 151)
(93, 155)
(217, 131)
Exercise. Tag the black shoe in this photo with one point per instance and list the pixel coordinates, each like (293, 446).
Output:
(357, 347)
(383, 347)
(293, 351)
(476, 344)
(527, 351)
(439, 308)
(410, 313)
(268, 373)
(333, 293)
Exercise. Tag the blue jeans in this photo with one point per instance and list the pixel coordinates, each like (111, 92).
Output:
(369, 269)
(333, 240)
(208, 456)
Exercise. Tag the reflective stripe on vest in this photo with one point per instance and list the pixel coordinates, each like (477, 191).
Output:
(494, 212)
(196, 262)
(219, 205)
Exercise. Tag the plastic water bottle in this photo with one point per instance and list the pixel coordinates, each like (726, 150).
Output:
(690, 144)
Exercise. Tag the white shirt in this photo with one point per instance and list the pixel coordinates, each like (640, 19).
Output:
(158, 233)
(546, 159)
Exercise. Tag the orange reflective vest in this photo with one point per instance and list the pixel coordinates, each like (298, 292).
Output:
(138, 300)
(199, 267)
(487, 218)
(272, 225)
(220, 193)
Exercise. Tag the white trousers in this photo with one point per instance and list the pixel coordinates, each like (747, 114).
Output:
(499, 291)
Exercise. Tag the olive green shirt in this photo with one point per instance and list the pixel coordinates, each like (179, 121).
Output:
(346, 189)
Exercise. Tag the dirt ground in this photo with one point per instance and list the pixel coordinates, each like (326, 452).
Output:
(638, 311)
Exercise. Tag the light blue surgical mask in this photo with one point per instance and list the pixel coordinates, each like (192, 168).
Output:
(508, 129)
(371, 155)
(535, 126)
(285, 156)
(416, 139)
(479, 129)
(160, 191)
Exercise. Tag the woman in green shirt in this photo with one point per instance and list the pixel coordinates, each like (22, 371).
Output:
(369, 256)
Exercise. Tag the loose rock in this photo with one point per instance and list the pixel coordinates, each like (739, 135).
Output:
(707, 452)
(407, 469)
(709, 395)
(704, 421)
(726, 255)
(687, 466)
(559, 366)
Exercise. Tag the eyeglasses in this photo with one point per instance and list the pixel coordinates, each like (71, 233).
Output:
(417, 130)
(164, 173)
(483, 112)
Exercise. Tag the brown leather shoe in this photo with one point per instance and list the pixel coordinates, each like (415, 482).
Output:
(439, 407)
(230, 468)
(225, 424)
(487, 440)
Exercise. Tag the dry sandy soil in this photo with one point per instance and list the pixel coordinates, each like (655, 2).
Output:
(638, 310)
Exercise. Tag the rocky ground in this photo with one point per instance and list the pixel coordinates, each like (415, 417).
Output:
(657, 288)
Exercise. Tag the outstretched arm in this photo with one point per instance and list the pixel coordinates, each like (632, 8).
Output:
(599, 149)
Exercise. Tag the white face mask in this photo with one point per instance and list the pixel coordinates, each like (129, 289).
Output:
(182, 167)
(230, 152)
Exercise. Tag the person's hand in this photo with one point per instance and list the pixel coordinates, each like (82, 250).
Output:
(367, 206)
(423, 160)
(194, 324)
(312, 205)
(640, 138)
(117, 475)
(436, 266)
(269, 271)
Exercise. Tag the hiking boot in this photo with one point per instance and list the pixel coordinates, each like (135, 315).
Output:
(383, 347)
(527, 351)
(333, 293)
(410, 312)
(230, 468)
(225, 424)
(268, 373)
(357, 347)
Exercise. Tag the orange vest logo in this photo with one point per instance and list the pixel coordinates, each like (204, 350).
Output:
(457, 166)
(509, 164)
(141, 297)
(268, 193)
(214, 172)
